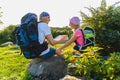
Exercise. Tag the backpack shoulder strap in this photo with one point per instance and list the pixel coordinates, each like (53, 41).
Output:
(83, 36)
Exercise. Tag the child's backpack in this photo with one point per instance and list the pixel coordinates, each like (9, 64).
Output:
(26, 35)
(89, 35)
(89, 38)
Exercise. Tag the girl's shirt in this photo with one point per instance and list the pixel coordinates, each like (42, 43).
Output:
(79, 35)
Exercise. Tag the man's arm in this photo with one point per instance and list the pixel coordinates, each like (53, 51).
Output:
(51, 40)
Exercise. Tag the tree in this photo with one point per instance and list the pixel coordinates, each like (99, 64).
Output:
(8, 34)
(106, 22)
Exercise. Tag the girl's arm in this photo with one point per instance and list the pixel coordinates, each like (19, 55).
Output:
(73, 38)
(50, 39)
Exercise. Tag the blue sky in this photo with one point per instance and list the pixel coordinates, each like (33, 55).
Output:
(60, 10)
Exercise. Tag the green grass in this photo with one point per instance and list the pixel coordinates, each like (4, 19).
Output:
(12, 64)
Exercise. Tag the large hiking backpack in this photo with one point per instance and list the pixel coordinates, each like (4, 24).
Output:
(26, 35)
(89, 38)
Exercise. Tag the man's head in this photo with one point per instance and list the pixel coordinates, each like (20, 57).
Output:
(45, 17)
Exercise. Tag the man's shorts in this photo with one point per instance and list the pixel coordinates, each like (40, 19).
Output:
(49, 54)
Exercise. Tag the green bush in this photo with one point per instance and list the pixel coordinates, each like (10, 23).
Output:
(61, 31)
(91, 65)
(106, 22)
(8, 34)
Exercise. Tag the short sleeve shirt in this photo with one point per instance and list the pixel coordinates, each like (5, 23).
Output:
(79, 35)
(43, 30)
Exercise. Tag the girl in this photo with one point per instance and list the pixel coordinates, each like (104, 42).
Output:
(77, 36)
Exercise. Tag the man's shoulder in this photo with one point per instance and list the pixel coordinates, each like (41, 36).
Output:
(42, 24)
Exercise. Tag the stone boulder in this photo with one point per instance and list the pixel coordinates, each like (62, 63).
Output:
(69, 77)
(53, 68)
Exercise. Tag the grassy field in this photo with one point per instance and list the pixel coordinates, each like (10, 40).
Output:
(12, 64)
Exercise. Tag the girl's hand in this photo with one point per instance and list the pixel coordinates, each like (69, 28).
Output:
(59, 52)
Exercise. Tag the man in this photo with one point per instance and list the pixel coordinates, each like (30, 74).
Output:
(44, 33)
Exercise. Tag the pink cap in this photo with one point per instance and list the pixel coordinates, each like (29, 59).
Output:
(75, 20)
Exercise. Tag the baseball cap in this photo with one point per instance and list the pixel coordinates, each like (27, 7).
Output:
(44, 14)
(75, 20)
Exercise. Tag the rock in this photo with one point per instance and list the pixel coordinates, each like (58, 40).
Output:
(53, 68)
(68, 77)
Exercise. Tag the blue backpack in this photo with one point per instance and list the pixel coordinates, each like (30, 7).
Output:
(26, 35)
